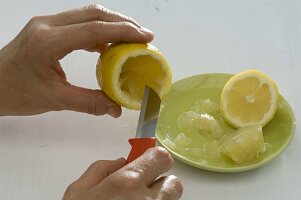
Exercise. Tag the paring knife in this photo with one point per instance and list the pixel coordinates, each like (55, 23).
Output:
(146, 129)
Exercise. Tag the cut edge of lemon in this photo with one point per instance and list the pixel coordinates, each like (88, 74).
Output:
(264, 79)
(112, 86)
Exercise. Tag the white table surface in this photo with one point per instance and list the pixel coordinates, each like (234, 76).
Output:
(41, 155)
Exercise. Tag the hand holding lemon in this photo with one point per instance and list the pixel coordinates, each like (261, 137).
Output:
(32, 78)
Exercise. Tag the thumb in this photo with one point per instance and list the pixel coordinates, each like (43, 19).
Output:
(98, 171)
(89, 101)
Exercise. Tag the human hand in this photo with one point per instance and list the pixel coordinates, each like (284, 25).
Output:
(113, 180)
(32, 80)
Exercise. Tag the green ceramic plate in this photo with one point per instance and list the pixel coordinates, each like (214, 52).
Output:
(278, 133)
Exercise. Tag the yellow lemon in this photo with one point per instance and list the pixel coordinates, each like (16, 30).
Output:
(249, 98)
(123, 70)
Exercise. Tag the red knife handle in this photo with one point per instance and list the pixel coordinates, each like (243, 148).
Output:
(139, 146)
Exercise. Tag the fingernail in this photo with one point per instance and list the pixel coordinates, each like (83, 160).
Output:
(145, 30)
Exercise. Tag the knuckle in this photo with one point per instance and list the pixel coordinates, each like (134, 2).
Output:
(172, 188)
(35, 19)
(95, 26)
(95, 104)
(132, 180)
(165, 194)
(177, 185)
(131, 20)
(37, 31)
(127, 181)
(96, 164)
(72, 190)
(97, 9)
(91, 107)
(128, 27)
(163, 155)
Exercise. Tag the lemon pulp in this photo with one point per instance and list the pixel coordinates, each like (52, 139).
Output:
(124, 70)
(134, 72)
(249, 98)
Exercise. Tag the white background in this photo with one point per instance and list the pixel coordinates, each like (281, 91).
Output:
(41, 155)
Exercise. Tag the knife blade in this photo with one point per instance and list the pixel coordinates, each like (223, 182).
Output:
(146, 128)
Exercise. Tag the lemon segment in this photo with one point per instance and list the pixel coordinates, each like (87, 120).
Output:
(249, 98)
(245, 145)
(123, 71)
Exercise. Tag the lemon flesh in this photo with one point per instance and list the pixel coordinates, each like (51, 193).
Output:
(124, 70)
(246, 145)
(249, 98)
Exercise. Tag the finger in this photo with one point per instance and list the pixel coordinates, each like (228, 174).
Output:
(87, 101)
(98, 171)
(154, 162)
(89, 13)
(59, 70)
(167, 188)
(98, 48)
(90, 34)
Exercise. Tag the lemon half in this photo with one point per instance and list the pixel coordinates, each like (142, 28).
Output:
(123, 70)
(249, 98)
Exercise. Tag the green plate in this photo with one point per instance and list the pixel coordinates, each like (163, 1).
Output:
(277, 133)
